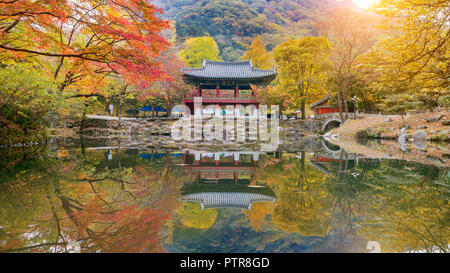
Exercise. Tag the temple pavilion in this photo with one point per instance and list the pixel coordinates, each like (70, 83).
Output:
(225, 83)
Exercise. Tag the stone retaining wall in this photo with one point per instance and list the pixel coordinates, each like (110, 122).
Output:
(289, 129)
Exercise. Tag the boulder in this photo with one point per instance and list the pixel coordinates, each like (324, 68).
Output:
(435, 118)
(420, 140)
(422, 127)
(420, 135)
(446, 122)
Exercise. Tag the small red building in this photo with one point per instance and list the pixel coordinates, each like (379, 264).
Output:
(323, 107)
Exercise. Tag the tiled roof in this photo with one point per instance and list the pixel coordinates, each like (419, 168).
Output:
(241, 200)
(228, 70)
(319, 102)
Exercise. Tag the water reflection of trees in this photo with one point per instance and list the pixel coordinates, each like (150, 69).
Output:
(303, 204)
(105, 205)
(351, 200)
(401, 205)
(126, 204)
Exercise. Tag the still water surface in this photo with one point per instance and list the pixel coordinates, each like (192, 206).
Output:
(140, 200)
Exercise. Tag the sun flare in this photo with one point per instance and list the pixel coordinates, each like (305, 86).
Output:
(365, 4)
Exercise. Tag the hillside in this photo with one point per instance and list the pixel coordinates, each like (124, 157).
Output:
(234, 23)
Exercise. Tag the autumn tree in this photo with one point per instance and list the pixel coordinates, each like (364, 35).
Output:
(303, 204)
(78, 198)
(414, 53)
(257, 53)
(192, 215)
(351, 34)
(273, 95)
(256, 216)
(171, 88)
(195, 50)
(88, 39)
(302, 64)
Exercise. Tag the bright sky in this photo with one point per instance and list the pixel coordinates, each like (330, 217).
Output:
(364, 3)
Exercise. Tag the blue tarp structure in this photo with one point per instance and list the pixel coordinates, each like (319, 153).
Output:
(177, 155)
(149, 156)
(151, 108)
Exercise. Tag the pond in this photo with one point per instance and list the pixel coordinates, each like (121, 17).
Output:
(109, 199)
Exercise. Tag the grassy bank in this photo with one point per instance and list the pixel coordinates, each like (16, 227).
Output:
(388, 127)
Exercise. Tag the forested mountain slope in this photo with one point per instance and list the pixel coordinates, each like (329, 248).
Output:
(233, 23)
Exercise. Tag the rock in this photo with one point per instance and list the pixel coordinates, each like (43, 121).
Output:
(435, 118)
(387, 120)
(420, 140)
(420, 135)
(422, 127)
(446, 122)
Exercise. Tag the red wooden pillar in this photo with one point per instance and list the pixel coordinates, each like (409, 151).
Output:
(218, 92)
(236, 93)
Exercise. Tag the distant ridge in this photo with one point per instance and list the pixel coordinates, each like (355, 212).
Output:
(234, 23)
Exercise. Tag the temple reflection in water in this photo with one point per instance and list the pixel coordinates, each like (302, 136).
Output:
(223, 180)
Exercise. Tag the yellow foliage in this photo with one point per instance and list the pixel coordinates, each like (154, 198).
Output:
(191, 215)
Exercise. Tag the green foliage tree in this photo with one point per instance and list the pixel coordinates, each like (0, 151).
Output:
(26, 98)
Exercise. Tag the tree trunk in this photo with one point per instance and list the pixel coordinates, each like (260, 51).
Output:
(303, 109)
(344, 99)
(119, 109)
(340, 106)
